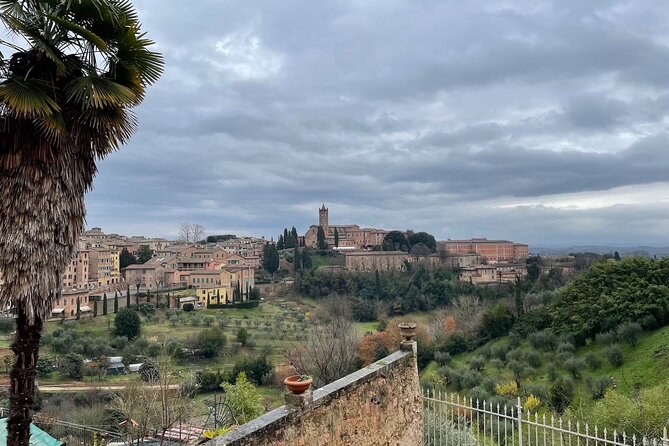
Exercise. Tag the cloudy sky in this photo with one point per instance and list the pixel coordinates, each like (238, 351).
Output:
(545, 122)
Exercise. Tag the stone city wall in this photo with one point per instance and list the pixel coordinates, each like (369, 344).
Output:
(378, 405)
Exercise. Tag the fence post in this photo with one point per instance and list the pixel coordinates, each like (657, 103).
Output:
(520, 423)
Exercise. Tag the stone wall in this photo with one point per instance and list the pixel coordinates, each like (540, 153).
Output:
(378, 405)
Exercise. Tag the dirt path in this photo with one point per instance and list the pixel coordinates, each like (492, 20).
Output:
(60, 388)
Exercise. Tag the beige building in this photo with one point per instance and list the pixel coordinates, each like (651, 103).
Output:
(66, 304)
(493, 250)
(103, 261)
(368, 261)
(497, 273)
(351, 237)
(76, 275)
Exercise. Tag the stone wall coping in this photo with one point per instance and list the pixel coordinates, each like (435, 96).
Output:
(273, 420)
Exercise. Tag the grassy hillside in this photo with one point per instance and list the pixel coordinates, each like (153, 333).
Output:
(644, 366)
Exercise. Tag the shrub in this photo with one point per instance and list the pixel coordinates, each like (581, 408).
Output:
(538, 390)
(477, 363)
(509, 389)
(119, 342)
(532, 403)
(598, 386)
(514, 340)
(515, 355)
(479, 395)
(615, 355)
(257, 369)
(593, 361)
(498, 363)
(72, 366)
(629, 332)
(453, 378)
(242, 336)
(544, 340)
(574, 366)
(209, 380)
(210, 341)
(497, 321)
(533, 359)
(472, 379)
(188, 307)
(489, 385)
(127, 323)
(454, 344)
(565, 347)
(45, 366)
(442, 358)
(561, 394)
(499, 351)
(607, 338)
(244, 399)
(552, 372)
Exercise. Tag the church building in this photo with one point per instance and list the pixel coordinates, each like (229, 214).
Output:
(350, 237)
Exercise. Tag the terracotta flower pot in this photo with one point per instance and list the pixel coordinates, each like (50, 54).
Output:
(407, 330)
(295, 385)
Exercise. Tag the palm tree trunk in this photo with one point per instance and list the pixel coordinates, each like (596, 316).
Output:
(22, 379)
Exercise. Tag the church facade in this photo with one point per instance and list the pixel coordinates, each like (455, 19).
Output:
(350, 237)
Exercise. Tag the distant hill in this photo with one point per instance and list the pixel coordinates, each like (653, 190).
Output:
(624, 251)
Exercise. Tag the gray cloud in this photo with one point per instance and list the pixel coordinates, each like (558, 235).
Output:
(423, 114)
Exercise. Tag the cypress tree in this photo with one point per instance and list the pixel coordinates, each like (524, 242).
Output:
(336, 238)
(148, 296)
(168, 300)
(95, 308)
(127, 296)
(293, 233)
(286, 237)
(239, 291)
(115, 302)
(279, 244)
(320, 239)
(78, 307)
(297, 259)
(104, 304)
(218, 297)
(306, 259)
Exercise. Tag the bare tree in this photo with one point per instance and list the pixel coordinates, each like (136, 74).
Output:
(329, 352)
(191, 232)
(197, 231)
(155, 406)
(185, 232)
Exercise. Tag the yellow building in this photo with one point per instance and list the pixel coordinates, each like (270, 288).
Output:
(213, 296)
(116, 266)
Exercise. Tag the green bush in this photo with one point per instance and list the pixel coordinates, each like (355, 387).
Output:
(598, 386)
(127, 323)
(629, 332)
(593, 361)
(257, 369)
(561, 394)
(72, 366)
(442, 358)
(209, 380)
(497, 321)
(615, 355)
(607, 338)
(575, 367)
(188, 307)
(533, 359)
(477, 363)
(210, 342)
(242, 336)
(543, 340)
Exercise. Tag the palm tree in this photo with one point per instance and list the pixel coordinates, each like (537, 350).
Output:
(65, 95)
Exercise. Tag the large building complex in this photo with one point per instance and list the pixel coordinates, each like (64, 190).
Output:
(492, 250)
(350, 237)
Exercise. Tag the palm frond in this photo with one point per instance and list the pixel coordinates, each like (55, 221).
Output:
(27, 98)
(99, 92)
(80, 31)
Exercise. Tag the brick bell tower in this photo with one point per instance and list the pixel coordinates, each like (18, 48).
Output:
(323, 218)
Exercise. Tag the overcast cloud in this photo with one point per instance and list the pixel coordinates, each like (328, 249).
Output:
(545, 122)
